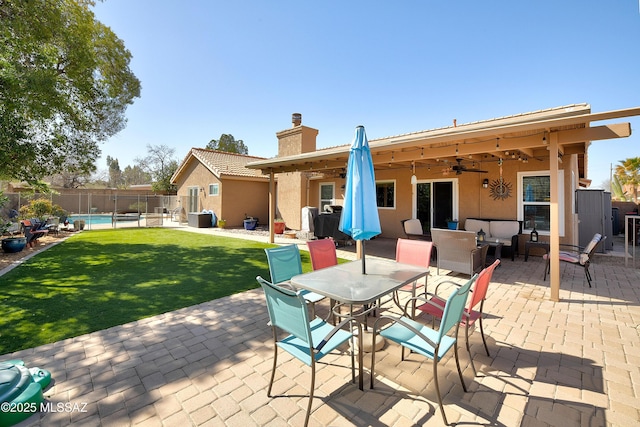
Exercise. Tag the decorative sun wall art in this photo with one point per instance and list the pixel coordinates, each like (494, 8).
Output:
(499, 189)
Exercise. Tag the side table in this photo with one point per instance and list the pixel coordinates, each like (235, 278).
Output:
(529, 244)
(497, 253)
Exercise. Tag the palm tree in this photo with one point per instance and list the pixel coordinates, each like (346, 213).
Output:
(628, 173)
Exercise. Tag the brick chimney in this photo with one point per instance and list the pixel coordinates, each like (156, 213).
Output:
(292, 186)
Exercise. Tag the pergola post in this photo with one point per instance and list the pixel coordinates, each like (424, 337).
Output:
(554, 238)
(272, 205)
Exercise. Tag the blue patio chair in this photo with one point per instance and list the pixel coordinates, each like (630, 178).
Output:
(284, 263)
(425, 340)
(309, 341)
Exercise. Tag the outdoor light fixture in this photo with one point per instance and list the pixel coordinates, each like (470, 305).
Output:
(485, 183)
(414, 179)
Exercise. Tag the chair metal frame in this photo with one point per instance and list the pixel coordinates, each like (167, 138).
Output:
(309, 340)
(434, 306)
(426, 341)
(577, 255)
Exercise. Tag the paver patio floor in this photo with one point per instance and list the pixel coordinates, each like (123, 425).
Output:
(571, 363)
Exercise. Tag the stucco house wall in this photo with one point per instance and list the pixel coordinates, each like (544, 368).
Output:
(474, 200)
(241, 192)
(240, 198)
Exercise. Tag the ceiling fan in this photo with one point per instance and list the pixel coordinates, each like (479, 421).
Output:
(459, 168)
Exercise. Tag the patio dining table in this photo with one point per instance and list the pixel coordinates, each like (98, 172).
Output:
(346, 283)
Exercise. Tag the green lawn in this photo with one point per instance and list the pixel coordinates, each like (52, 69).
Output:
(98, 279)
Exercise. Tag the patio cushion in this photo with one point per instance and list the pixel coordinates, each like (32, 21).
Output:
(413, 226)
(476, 224)
(504, 230)
(572, 257)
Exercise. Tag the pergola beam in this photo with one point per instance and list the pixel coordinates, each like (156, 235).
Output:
(570, 141)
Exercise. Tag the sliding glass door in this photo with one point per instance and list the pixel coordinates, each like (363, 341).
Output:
(436, 202)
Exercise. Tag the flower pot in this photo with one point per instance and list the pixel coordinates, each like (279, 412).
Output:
(452, 225)
(14, 244)
(278, 227)
(250, 224)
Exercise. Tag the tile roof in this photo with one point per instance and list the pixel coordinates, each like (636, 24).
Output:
(221, 163)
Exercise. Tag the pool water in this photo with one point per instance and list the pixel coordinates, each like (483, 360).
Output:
(92, 219)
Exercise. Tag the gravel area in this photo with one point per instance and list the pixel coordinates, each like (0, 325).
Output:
(42, 243)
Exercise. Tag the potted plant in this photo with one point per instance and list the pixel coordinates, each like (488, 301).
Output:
(452, 224)
(250, 223)
(278, 226)
(222, 223)
(14, 244)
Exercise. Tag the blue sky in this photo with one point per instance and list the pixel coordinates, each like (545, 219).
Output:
(210, 67)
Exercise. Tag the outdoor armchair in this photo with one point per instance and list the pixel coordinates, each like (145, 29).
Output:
(577, 255)
(458, 251)
(413, 229)
(323, 254)
(33, 230)
(414, 252)
(475, 308)
(426, 341)
(309, 340)
(284, 263)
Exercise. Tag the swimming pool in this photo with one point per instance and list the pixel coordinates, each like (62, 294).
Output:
(92, 219)
(95, 219)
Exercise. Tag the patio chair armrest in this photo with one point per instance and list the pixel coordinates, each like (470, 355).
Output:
(449, 282)
(416, 298)
(575, 248)
(401, 321)
(288, 285)
(431, 303)
(336, 328)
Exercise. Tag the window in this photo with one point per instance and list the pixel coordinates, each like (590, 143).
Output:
(214, 189)
(327, 195)
(534, 201)
(386, 194)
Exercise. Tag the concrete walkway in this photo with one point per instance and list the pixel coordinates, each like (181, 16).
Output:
(571, 363)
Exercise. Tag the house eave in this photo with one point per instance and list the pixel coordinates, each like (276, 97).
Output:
(527, 133)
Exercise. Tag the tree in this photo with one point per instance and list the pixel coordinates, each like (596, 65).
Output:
(65, 84)
(628, 174)
(161, 165)
(135, 175)
(67, 179)
(229, 144)
(115, 175)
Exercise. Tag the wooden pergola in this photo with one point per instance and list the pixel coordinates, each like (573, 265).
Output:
(545, 134)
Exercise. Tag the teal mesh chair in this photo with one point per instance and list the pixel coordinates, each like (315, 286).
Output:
(309, 341)
(474, 310)
(284, 263)
(426, 341)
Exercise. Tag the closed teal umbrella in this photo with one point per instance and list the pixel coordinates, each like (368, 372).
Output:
(359, 217)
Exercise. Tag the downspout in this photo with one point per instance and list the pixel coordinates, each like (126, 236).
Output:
(272, 205)
(308, 188)
(554, 238)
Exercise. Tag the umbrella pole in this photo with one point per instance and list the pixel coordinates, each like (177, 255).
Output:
(364, 266)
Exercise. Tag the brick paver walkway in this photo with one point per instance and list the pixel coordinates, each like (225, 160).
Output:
(571, 363)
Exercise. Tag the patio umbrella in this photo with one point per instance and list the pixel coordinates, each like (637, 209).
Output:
(359, 217)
